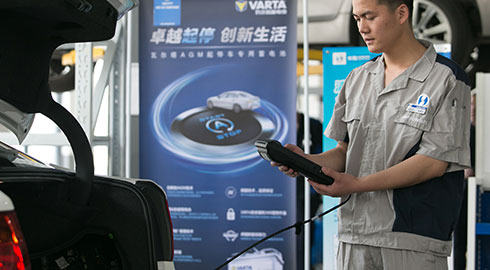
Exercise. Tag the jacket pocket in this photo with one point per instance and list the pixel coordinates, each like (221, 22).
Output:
(352, 120)
(352, 113)
(415, 120)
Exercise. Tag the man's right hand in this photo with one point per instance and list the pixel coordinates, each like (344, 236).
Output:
(284, 169)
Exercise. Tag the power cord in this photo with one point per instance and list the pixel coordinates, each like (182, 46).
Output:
(298, 226)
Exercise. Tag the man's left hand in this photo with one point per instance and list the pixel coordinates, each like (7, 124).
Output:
(343, 184)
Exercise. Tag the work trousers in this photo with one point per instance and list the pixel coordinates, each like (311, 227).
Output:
(362, 257)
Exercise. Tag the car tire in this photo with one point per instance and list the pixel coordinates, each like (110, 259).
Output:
(354, 35)
(449, 18)
(237, 108)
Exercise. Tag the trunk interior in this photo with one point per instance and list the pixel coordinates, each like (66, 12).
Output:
(124, 226)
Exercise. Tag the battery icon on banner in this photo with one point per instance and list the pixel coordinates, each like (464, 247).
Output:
(265, 259)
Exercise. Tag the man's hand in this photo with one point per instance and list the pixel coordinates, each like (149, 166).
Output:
(284, 169)
(409, 172)
(343, 184)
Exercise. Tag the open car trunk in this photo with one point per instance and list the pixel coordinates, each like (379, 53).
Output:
(125, 225)
(72, 220)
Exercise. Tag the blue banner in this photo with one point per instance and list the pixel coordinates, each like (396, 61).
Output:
(337, 64)
(214, 77)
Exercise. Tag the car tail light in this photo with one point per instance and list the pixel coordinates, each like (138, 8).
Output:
(13, 250)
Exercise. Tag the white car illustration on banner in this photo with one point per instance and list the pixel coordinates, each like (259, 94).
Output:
(234, 100)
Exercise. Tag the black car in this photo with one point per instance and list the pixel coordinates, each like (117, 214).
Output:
(53, 218)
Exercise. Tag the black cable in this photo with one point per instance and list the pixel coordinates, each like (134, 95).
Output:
(298, 225)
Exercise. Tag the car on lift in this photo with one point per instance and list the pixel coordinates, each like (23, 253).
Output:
(52, 218)
(462, 23)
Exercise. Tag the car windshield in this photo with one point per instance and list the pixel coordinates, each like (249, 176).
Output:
(11, 157)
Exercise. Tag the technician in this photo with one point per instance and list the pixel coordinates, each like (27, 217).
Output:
(402, 124)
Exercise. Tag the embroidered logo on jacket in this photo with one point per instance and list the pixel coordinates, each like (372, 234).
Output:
(421, 106)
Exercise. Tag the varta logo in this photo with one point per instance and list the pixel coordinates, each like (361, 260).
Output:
(268, 5)
(241, 5)
(263, 7)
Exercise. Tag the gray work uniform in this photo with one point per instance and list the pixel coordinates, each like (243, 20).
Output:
(361, 257)
(426, 111)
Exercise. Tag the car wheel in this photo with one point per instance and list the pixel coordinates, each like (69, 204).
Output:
(442, 21)
(354, 35)
(237, 108)
(210, 104)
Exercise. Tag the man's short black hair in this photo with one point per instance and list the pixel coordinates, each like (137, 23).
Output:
(393, 4)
